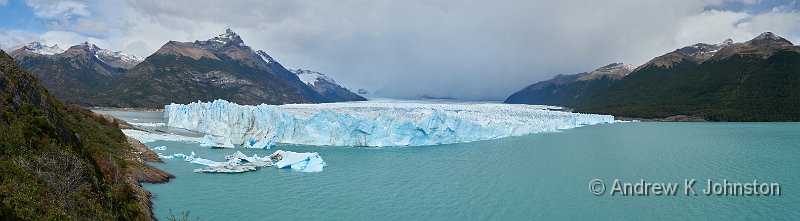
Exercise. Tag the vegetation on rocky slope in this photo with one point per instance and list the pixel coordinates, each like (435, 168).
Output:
(62, 162)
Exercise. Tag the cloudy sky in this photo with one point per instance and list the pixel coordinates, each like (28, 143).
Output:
(470, 49)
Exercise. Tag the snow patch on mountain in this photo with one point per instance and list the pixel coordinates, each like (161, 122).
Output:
(767, 36)
(227, 38)
(613, 70)
(114, 58)
(312, 77)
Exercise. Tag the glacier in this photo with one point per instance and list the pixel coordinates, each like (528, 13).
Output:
(373, 124)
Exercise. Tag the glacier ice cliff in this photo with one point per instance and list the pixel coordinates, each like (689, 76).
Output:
(217, 142)
(374, 124)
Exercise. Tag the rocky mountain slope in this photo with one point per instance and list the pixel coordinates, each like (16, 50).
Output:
(74, 75)
(326, 86)
(566, 90)
(222, 67)
(756, 80)
(62, 162)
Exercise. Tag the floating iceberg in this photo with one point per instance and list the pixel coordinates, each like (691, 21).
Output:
(373, 124)
(303, 162)
(161, 155)
(161, 148)
(239, 162)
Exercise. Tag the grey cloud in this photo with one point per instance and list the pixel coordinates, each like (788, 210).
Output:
(12, 38)
(467, 49)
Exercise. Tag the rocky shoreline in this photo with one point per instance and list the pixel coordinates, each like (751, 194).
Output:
(138, 169)
(136, 109)
(676, 118)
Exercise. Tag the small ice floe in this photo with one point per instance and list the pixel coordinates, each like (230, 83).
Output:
(185, 157)
(162, 156)
(303, 162)
(216, 142)
(160, 148)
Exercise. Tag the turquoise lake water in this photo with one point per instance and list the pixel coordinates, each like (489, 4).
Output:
(541, 176)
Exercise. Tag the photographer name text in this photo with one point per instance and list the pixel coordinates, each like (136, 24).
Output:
(689, 187)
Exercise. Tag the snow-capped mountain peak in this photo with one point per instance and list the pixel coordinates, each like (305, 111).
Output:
(769, 38)
(613, 70)
(90, 47)
(227, 38)
(39, 48)
(114, 58)
(727, 42)
(311, 77)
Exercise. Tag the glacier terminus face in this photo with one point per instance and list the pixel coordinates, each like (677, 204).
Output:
(373, 124)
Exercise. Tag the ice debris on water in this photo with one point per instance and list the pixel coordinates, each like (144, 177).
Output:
(238, 162)
(160, 148)
(304, 162)
(373, 124)
(155, 124)
(147, 137)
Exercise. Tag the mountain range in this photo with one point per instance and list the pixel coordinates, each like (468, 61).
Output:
(756, 80)
(222, 67)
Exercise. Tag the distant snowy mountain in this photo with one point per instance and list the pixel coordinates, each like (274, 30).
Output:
(222, 67)
(76, 74)
(117, 59)
(614, 70)
(563, 89)
(312, 77)
(326, 86)
(697, 53)
(39, 48)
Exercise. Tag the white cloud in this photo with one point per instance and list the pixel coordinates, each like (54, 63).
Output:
(714, 26)
(12, 38)
(58, 9)
(3, 2)
(65, 39)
